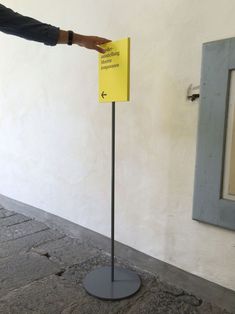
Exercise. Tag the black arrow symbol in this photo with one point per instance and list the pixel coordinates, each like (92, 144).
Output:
(103, 94)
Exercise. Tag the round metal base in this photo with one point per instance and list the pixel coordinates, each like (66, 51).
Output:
(99, 284)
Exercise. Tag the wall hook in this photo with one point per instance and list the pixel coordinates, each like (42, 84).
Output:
(193, 92)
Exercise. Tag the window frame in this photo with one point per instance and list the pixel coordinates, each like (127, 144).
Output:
(218, 60)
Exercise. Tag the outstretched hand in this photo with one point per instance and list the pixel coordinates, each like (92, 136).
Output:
(91, 42)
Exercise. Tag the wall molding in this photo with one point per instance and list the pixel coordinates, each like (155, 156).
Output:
(202, 288)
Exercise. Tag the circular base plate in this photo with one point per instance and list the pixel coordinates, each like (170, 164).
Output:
(98, 283)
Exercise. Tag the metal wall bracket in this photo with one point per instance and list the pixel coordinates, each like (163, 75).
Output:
(193, 92)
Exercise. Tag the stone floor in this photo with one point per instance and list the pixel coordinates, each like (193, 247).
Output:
(41, 271)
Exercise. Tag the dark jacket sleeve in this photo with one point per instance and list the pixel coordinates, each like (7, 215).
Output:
(26, 27)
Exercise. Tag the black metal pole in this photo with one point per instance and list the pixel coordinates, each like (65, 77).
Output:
(97, 282)
(113, 189)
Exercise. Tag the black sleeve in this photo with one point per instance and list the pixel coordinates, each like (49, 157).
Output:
(16, 24)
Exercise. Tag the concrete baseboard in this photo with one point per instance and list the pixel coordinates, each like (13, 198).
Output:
(208, 291)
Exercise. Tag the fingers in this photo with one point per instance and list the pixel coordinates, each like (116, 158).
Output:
(99, 49)
(94, 42)
(101, 40)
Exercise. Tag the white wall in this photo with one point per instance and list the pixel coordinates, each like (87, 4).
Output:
(55, 137)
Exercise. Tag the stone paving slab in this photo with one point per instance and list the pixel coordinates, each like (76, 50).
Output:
(26, 243)
(13, 220)
(5, 213)
(55, 294)
(159, 301)
(50, 295)
(154, 297)
(42, 270)
(21, 269)
(21, 230)
(58, 294)
(66, 251)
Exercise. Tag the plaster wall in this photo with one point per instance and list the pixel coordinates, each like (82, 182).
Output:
(55, 137)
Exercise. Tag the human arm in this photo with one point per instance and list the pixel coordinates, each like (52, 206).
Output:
(26, 27)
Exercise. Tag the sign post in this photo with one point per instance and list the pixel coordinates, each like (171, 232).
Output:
(110, 282)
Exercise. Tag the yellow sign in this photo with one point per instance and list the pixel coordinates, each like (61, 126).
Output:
(114, 71)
